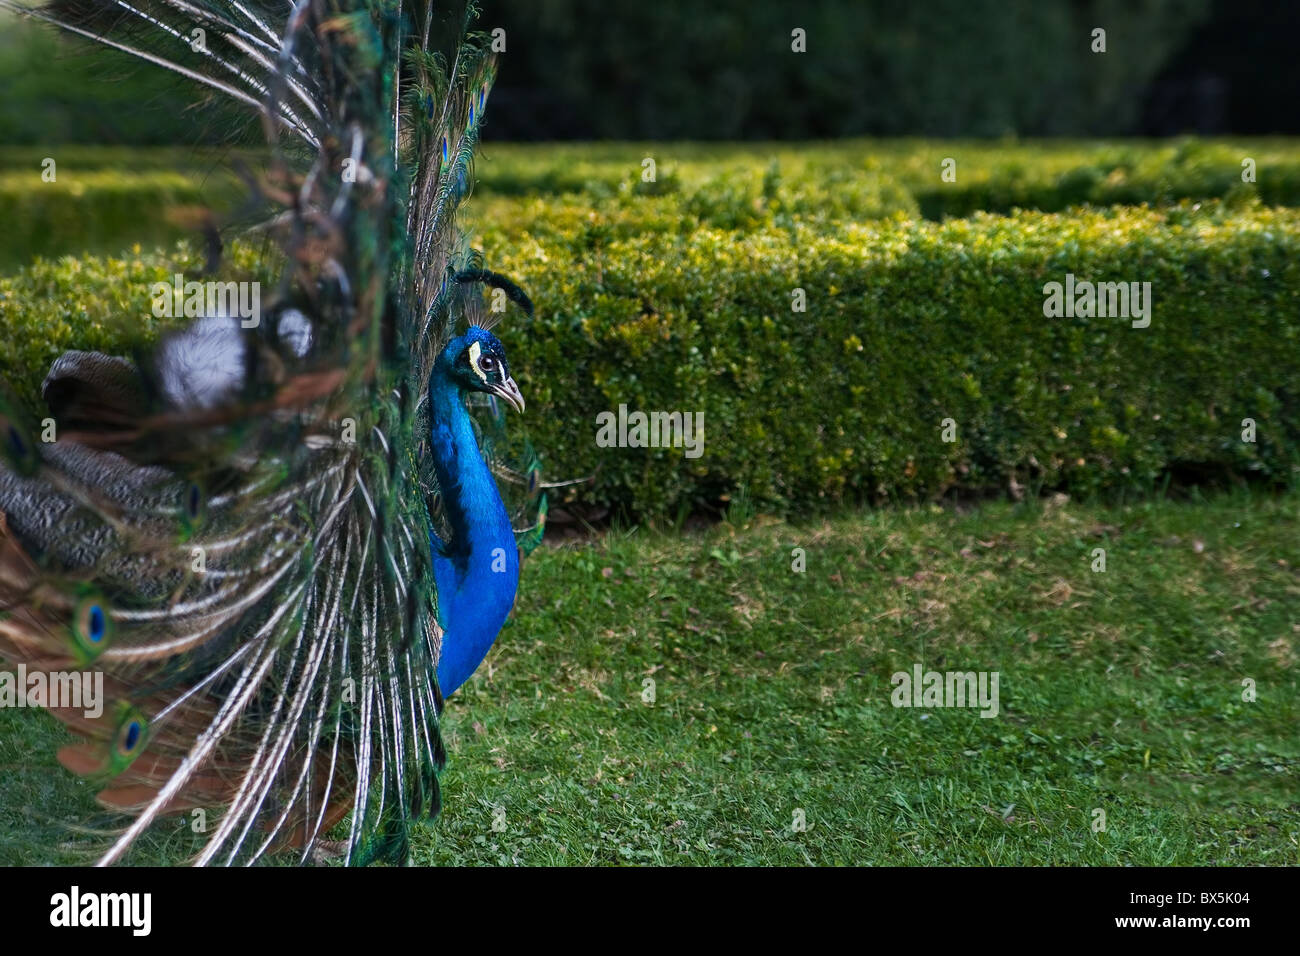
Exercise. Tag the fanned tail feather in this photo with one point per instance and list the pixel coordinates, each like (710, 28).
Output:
(235, 532)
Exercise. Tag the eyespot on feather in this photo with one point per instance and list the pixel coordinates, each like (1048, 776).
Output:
(92, 627)
(128, 740)
(129, 737)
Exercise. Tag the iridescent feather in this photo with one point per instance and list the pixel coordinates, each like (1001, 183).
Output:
(237, 531)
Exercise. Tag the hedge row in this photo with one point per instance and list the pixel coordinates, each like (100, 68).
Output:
(907, 325)
(1111, 175)
(738, 200)
(102, 209)
(993, 177)
(107, 198)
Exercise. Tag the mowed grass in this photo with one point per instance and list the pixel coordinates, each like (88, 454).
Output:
(1120, 691)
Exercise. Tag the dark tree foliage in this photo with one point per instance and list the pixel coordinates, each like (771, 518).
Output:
(682, 69)
(1237, 73)
(725, 69)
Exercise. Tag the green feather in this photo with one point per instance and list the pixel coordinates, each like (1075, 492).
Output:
(240, 542)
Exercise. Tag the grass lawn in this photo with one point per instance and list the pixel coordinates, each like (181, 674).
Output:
(1120, 691)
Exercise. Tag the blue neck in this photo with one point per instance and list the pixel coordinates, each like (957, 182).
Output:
(477, 570)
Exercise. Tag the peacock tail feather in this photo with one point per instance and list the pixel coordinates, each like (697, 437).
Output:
(236, 530)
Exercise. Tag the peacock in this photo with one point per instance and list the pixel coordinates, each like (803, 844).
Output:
(285, 540)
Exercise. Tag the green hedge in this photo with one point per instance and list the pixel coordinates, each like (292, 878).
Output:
(1049, 175)
(1123, 174)
(908, 323)
(740, 199)
(102, 208)
(107, 198)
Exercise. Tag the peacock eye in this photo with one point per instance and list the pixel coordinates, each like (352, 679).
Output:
(487, 363)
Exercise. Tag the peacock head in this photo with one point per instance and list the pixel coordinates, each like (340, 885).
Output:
(476, 362)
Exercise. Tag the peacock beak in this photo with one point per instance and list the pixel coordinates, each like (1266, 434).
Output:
(510, 392)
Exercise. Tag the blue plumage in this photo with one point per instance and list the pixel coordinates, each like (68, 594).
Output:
(477, 570)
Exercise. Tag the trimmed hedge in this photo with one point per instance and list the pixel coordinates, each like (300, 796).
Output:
(89, 208)
(1049, 175)
(1126, 174)
(736, 200)
(108, 198)
(907, 324)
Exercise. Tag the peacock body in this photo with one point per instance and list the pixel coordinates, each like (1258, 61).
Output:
(284, 542)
